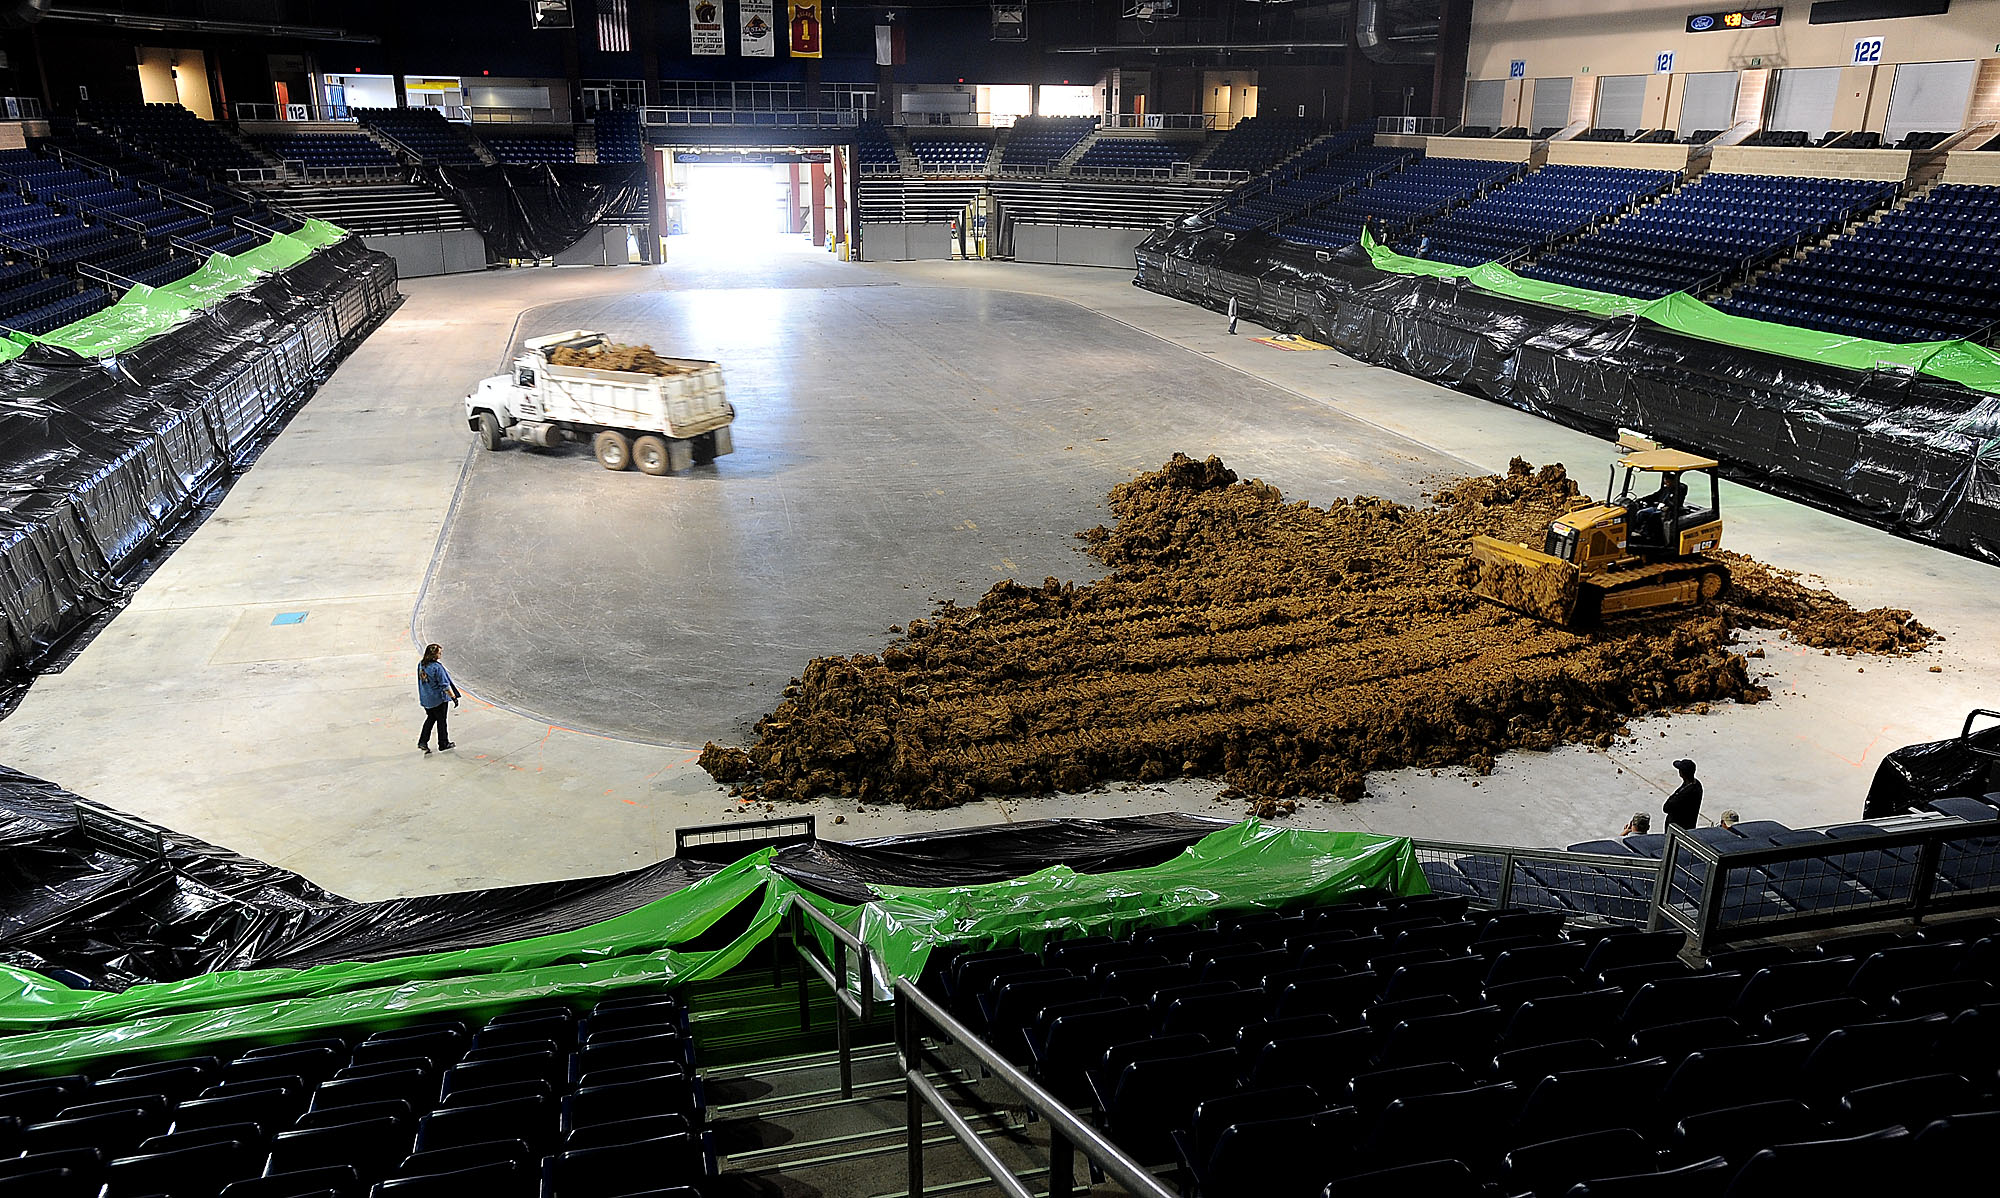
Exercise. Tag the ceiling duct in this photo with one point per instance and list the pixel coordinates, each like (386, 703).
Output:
(1372, 37)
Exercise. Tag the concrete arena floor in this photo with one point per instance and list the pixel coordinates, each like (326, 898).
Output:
(895, 445)
(293, 743)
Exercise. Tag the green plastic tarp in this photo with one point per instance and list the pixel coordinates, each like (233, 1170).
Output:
(1245, 866)
(636, 948)
(1962, 362)
(145, 312)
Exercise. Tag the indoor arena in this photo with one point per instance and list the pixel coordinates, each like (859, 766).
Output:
(1177, 598)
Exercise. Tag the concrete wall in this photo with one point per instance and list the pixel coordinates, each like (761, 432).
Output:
(1973, 166)
(1077, 245)
(1647, 157)
(1493, 149)
(1816, 164)
(418, 254)
(604, 245)
(905, 243)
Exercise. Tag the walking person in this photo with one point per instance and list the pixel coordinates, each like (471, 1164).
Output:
(435, 691)
(1684, 804)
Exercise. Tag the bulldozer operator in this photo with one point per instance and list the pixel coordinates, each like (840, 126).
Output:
(1658, 514)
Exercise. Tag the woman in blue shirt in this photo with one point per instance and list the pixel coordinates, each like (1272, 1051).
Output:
(434, 690)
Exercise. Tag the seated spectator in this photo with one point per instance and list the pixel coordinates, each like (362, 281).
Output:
(1728, 819)
(1638, 825)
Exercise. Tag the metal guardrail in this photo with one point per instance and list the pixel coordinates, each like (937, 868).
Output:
(851, 978)
(1158, 173)
(1160, 120)
(1716, 896)
(748, 835)
(848, 1004)
(1428, 125)
(258, 174)
(1566, 872)
(485, 115)
(110, 278)
(1208, 176)
(392, 171)
(812, 118)
(1068, 1134)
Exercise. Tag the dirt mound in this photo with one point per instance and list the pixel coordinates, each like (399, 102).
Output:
(611, 355)
(1772, 597)
(1284, 648)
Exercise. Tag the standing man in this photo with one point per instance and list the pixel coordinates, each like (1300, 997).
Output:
(1684, 804)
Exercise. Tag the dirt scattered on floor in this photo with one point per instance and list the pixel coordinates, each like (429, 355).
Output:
(612, 355)
(1283, 648)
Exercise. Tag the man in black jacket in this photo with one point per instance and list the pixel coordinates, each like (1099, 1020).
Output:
(1684, 804)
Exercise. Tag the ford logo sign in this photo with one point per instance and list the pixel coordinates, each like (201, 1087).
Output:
(1701, 24)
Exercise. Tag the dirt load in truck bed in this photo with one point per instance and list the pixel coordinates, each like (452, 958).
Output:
(634, 359)
(1285, 648)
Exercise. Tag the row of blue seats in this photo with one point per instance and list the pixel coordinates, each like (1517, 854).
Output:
(1036, 142)
(619, 136)
(1297, 191)
(960, 155)
(1255, 143)
(66, 307)
(423, 130)
(1545, 206)
(1882, 279)
(330, 149)
(1713, 226)
(533, 149)
(1403, 198)
(1131, 153)
(533, 1101)
(1286, 1054)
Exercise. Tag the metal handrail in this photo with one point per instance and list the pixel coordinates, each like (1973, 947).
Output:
(847, 1005)
(1704, 922)
(1068, 1134)
(110, 278)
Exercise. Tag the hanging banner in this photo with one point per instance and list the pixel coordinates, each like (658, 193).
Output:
(705, 27)
(889, 48)
(806, 28)
(755, 34)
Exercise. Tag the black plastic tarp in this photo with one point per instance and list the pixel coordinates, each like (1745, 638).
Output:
(105, 901)
(537, 211)
(1966, 766)
(846, 871)
(102, 463)
(1910, 453)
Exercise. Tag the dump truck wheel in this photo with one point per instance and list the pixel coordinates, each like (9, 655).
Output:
(614, 452)
(489, 430)
(649, 454)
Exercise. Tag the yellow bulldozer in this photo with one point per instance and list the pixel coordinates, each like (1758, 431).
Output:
(1633, 552)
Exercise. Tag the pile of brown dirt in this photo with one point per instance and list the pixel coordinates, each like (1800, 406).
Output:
(1771, 597)
(1284, 648)
(611, 355)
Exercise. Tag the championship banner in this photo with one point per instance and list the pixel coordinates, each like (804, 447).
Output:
(806, 28)
(705, 27)
(755, 34)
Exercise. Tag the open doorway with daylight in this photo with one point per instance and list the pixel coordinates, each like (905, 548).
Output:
(756, 202)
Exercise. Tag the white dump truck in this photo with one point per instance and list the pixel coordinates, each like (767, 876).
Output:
(660, 420)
